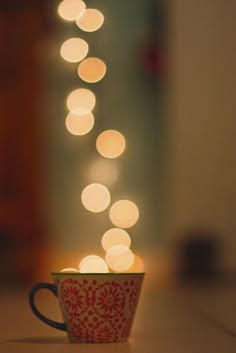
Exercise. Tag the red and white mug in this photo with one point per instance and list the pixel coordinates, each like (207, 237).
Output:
(96, 308)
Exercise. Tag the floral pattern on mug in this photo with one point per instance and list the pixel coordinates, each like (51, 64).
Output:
(99, 310)
(74, 297)
(108, 299)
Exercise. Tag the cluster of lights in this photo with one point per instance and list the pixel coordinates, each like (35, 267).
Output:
(110, 144)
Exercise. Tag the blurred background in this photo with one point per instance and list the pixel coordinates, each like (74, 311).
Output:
(169, 89)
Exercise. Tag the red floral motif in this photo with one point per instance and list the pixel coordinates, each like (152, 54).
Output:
(77, 331)
(99, 311)
(108, 299)
(105, 332)
(73, 296)
(134, 295)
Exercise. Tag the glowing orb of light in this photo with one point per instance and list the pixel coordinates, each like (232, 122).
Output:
(103, 171)
(70, 9)
(93, 264)
(119, 258)
(124, 214)
(90, 21)
(86, 258)
(69, 270)
(81, 101)
(79, 124)
(115, 236)
(74, 50)
(110, 143)
(138, 265)
(95, 197)
(92, 70)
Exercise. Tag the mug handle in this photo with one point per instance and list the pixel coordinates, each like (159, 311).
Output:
(33, 291)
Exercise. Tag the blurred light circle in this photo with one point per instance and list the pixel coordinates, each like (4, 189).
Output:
(138, 265)
(119, 258)
(115, 236)
(92, 70)
(70, 9)
(86, 258)
(81, 101)
(110, 143)
(69, 270)
(124, 214)
(94, 265)
(103, 171)
(90, 21)
(74, 50)
(79, 124)
(95, 197)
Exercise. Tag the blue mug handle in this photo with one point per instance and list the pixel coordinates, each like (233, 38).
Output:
(53, 289)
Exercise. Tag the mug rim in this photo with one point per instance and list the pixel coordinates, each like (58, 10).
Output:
(98, 273)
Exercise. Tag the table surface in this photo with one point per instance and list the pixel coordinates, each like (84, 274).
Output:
(178, 320)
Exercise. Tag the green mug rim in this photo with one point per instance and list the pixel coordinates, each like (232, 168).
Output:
(96, 273)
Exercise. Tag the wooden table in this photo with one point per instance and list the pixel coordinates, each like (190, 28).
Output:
(193, 320)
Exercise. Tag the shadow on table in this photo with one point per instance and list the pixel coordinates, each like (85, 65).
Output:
(122, 346)
(39, 340)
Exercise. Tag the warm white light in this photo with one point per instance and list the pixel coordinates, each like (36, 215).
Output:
(86, 258)
(81, 101)
(115, 236)
(110, 143)
(119, 258)
(92, 70)
(79, 125)
(70, 9)
(124, 214)
(138, 265)
(74, 50)
(93, 265)
(96, 197)
(69, 270)
(90, 21)
(103, 171)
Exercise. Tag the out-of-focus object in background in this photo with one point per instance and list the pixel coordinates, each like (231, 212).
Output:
(74, 50)
(79, 125)
(152, 53)
(90, 21)
(124, 214)
(198, 255)
(93, 264)
(95, 197)
(81, 101)
(69, 10)
(110, 144)
(92, 70)
(22, 25)
(69, 270)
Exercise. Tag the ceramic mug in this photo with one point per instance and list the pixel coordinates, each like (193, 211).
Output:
(95, 307)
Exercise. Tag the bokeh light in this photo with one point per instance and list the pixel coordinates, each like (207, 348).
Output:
(69, 270)
(110, 143)
(86, 258)
(90, 21)
(81, 101)
(92, 70)
(95, 197)
(103, 171)
(70, 9)
(124, 214)
(74, 50)
(115, 236)
(138, 265)
(79, 125)
(119, 258)
(93, 264)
